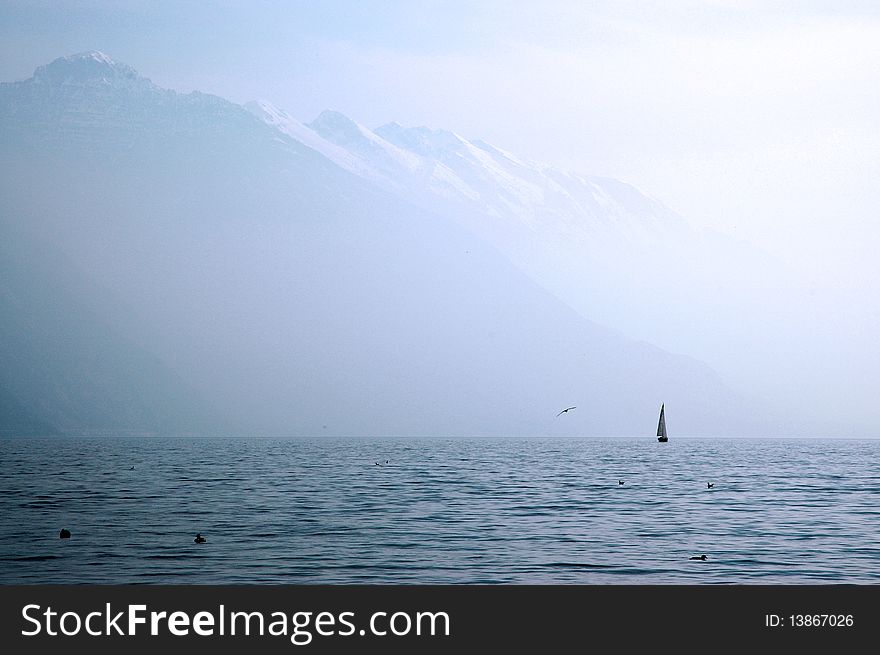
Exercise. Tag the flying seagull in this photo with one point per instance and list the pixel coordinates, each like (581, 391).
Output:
(565, 410)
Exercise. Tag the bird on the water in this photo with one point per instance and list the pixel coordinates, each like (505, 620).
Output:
(567, 409)
(701, 557)
(199, 538)
(620, 483)
(64, 534)
(709, 485)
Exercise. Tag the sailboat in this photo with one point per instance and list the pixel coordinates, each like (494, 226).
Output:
(661, 425)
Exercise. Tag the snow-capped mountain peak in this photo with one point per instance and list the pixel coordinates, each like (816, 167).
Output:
(84, 67)
(285, 123)
(423, 140)
(268, 112)
(499, 153)
(337, 124)
(430, 166)
(340, 130)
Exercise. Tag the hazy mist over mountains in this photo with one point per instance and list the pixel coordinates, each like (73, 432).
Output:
(177, 263)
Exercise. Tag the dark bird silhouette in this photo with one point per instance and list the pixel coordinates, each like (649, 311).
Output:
(566, 410)
(709, 485)
(701, 557)
(64, 534)
(199, 538)
(620, 482)
(131, 469)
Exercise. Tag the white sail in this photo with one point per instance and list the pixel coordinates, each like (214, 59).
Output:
(661, 426)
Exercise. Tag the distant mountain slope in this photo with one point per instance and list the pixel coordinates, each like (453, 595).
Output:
(66, 368)
(18, 420)
(297, 295)
(599, 244)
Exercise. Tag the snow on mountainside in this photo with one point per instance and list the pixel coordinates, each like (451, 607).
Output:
(252, 263)
(124, 155)
(535, 213)
(243, 257)
(281, 120)
(431, 166)
(606, 249)
(91, 67)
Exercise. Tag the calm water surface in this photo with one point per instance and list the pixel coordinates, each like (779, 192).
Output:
(297, 511)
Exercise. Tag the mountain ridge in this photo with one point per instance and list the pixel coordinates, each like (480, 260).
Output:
(600, 245)
(283, 287)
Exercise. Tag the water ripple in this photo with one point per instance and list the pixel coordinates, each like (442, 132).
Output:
(496, 511)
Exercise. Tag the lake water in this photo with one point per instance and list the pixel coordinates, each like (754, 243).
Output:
(542, 510)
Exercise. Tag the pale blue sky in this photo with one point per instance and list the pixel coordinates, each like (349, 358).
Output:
(758, 118)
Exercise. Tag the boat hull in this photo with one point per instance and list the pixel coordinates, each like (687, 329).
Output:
(662, 439)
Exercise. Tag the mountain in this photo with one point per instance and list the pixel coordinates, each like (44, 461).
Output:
(69, 365)
(598, 244)
(217, 258)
